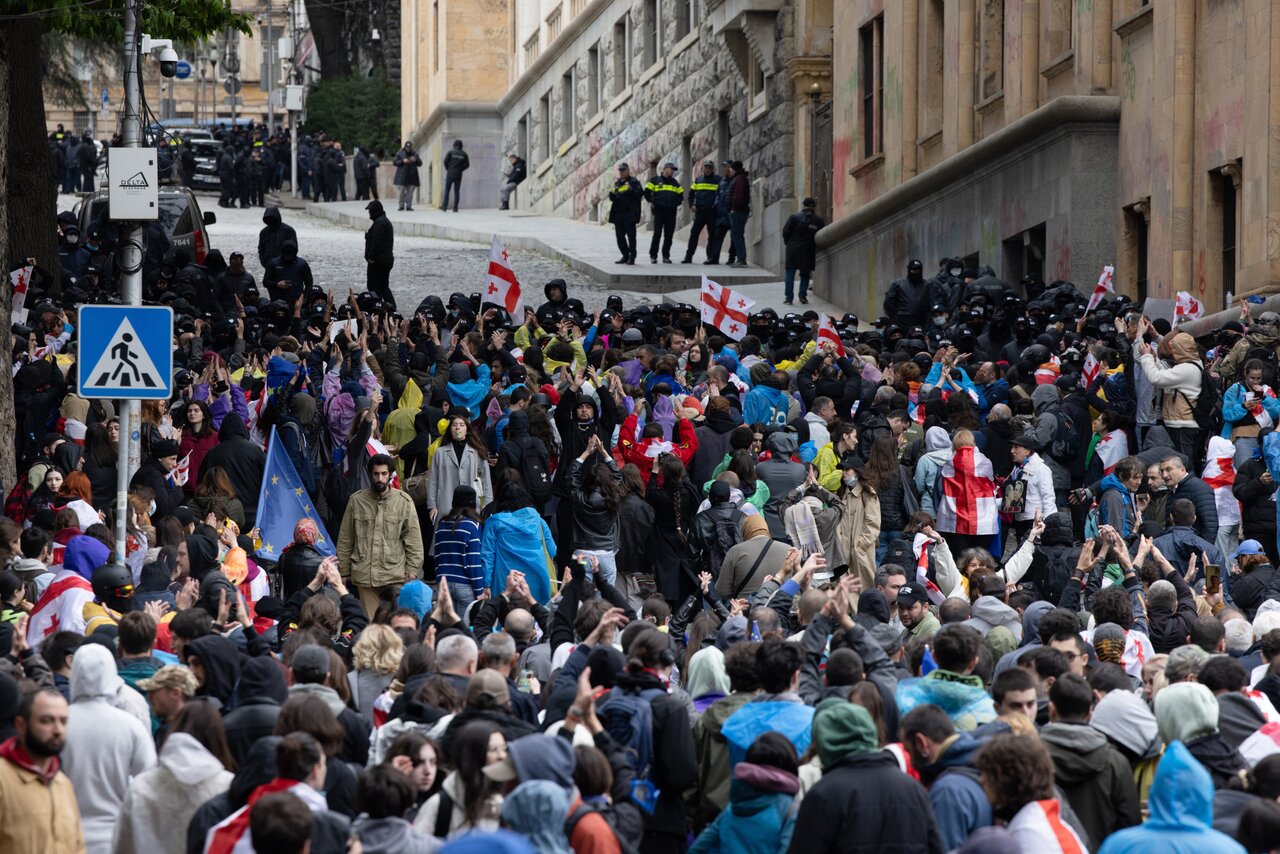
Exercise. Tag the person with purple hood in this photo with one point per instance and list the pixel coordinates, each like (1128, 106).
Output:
(760, 817)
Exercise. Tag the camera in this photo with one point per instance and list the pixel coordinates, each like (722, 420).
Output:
(168, 62)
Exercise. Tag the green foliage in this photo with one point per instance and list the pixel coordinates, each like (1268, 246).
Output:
(103, 21)
(356, 110)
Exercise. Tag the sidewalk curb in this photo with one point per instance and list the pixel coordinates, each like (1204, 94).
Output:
(642, 278)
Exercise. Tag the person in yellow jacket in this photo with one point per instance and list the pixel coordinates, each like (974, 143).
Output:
(844, 439)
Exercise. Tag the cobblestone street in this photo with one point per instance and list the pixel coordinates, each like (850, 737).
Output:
(424, 265)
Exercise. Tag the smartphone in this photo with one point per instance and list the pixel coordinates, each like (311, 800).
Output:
(1212, 579)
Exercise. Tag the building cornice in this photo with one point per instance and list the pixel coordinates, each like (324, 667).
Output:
(1068, 108)
(548, 57)
(444, 110)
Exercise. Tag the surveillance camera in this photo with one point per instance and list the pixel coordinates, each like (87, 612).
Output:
(168, 62)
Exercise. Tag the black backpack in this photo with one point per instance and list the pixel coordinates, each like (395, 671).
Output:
(1065, 445)
(535, 469)
(1206, 410)
(725, 534)
(606, 811)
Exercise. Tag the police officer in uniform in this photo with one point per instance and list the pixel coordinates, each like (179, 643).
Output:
(702, 199)
(624, 212)
(665, 194)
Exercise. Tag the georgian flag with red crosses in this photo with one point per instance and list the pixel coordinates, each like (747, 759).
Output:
(502, 288)
(725, 309)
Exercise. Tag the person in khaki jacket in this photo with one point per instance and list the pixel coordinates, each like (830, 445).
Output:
(380, 542)
(35, 796)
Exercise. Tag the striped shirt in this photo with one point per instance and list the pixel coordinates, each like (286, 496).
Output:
(457, 550)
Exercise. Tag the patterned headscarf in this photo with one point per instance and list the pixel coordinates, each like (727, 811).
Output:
(306, 532)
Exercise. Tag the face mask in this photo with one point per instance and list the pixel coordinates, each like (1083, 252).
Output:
(151, 508)
(849, 478)
(939, 320)
(73, 239)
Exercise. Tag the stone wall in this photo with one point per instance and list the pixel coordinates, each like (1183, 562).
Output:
(671, 111)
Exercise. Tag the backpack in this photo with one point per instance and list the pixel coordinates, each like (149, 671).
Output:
(1065, 445)
(606, 811)
(535, 470)
(627, 715)
(1206, 411)
(725, 534)
(1051, 570)
(1267, 356)
(15, 503)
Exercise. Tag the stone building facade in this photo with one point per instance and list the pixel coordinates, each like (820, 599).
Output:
(1051, 137)
(594, 84)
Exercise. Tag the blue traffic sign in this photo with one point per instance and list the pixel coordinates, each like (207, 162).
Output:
(184, 70)
(126, 352)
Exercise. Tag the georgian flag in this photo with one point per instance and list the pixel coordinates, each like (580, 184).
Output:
(375, 447)
(21, 281)
(60, 607)
(966, 499)
(1111, 449)
(1187, 307)
(182, 473)
(921, 546)
(1259, 412)
(1092, 368)
(1103, 287)
(725, 309)
(501, 287)
(827, 332)
(1220, 473)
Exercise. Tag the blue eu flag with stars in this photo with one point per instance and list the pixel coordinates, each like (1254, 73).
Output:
(283, 502)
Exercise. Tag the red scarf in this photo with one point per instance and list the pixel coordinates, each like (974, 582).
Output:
(225, 838)
(17, 754)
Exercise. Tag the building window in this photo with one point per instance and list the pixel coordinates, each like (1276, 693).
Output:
(577, 6)
(522, 138)
(531, 50)
(435, 35)
(990, 39)
(652, 30)
(757, 85)
(1135, 245)
(554, 23)
(621, 55)
(931, 53)
(593, 80)
(686, 17)
(544, 119)
(1024, 254)
(567, 111)
(1056, 25)
(871, 55)
(1228, 197)
(722, 135)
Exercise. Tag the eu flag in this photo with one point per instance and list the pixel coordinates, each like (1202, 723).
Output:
(282, 502)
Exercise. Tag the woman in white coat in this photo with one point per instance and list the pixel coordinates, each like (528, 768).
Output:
(460, 460)
(193, 768)
(1031, 478)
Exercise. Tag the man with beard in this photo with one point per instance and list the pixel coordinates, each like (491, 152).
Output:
(380, 541)
(34, 793)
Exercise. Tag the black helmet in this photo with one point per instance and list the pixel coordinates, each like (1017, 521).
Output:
(1036, 354)
(113, 586)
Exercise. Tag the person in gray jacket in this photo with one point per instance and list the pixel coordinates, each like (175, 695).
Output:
(781, 474)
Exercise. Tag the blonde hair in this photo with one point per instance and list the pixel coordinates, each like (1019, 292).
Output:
(963, 439)
(378, 648)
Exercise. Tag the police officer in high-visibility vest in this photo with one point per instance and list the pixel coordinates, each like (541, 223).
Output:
(665, 194)
(702, 199)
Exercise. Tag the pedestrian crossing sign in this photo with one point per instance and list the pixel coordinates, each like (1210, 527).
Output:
(126, 352)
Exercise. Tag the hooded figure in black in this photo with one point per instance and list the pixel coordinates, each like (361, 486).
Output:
(220, 662)
(242, 460)
(202, 560)
(232, 283)
(288, 275)
(260, 695)
(578, 418)
(907, 302)
(272, 237)
(558, 300)
(378, 243)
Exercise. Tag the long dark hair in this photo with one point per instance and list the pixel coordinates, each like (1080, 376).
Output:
(473, 436)
(470, 754)
(882, 464)
(200, 720)
(511, 496)
(603, 479)
(99, 450)
(632, 483)
(206, 425)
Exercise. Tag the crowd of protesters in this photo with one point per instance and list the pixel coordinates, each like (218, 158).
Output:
(994, 573)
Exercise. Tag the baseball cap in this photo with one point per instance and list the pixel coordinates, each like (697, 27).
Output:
(710, 163)
(487, 689)
(171, 676)
(915, 264)
(911, 593)
(622, 166)
(1249, 547)
(809, 202)
(632, 336)
(310, 663)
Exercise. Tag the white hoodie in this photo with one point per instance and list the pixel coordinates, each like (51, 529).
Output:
(162, 800)
(105, 748)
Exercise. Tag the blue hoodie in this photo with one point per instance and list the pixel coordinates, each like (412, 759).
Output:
(1181, 806)
(1110, 489)
(518, 540)
(470, 394)
(761, 815)
(83, 555)
(766, 405)
(959, 804)
(794, 720)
